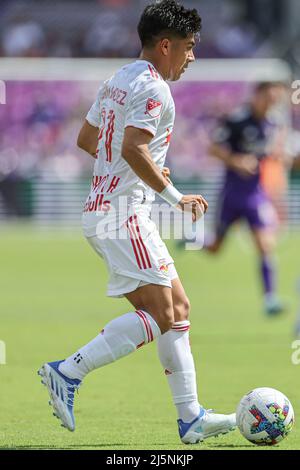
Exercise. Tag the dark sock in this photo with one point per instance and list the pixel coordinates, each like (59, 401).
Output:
(268, 275)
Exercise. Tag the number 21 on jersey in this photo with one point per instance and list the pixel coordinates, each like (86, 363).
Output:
(106, 131)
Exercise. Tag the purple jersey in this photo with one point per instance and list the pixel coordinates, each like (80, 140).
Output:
(243, 133)
(242, 196)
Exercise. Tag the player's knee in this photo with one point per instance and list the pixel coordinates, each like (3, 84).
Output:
(166, 320)
(266, 245)
(182, 309)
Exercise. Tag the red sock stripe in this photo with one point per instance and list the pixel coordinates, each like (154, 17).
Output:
(147, 325)
(141, 240)
(181, 328)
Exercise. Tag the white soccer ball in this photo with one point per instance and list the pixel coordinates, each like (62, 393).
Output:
(265, 416)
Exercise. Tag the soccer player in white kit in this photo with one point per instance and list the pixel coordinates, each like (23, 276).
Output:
(127, 131)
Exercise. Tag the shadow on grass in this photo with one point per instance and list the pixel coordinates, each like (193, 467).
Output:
(67, 447)
(233, 446)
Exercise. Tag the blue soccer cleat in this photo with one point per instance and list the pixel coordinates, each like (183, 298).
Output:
(207, 424)
(61, 390)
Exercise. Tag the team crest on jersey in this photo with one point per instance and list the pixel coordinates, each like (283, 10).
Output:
(153, 108)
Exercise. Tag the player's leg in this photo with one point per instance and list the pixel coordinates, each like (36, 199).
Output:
(194, 422)
(265, 243)
(156, 300)
(176, 356)
(226, 214)
(175, 349)
(130, 261)
(262, 220)
(119, 337)
(173, 346)
(124, 334)
(214, 244)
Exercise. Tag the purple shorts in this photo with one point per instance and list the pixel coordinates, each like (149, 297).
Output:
(255, 207)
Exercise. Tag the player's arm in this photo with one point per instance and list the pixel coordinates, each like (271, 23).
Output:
(166, 174)
(244, 164)
(88, 138)
(135, 150)
(221, 148)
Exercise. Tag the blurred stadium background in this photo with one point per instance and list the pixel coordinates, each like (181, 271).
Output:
(53, 56)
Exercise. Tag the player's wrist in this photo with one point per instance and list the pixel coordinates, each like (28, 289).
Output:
(231, 161)
(171, 195)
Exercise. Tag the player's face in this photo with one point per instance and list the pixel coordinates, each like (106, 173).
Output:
(181, 55)
(270, 97)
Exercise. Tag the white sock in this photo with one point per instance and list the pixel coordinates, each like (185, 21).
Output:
(176, 357)
(119, 337)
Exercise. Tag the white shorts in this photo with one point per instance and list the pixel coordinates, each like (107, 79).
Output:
(134, 255)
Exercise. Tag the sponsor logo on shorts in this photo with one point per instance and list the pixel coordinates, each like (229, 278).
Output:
(162, 266)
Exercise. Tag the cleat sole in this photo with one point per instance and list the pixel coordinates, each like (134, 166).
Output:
(203, 438)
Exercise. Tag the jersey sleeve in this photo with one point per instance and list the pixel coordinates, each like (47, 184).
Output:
(93, 116)
(147, 104)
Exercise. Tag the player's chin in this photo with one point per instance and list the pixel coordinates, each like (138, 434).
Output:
(177, 76)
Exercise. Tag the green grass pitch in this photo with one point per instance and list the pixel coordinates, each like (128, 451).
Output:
(53, 301)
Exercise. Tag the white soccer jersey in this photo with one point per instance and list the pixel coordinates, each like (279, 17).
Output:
(135, 96)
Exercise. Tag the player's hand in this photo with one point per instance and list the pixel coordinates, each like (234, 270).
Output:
(246, 165)
(194, 203)
(166, 173)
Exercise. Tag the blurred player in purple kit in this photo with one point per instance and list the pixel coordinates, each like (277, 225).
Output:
(242, 141)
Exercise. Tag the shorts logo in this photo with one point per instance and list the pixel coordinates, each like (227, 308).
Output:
(153, 108)
(162, 266)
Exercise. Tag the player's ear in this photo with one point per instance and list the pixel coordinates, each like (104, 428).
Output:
(165, 46)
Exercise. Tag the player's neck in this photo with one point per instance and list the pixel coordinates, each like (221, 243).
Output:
(146, 55)
(258, 112)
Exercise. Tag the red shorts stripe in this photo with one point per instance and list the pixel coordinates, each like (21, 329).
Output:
(137, 241)
(134, 247)
(142, 243)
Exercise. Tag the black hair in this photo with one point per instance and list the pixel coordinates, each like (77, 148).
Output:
(264, 86)
(167, 17)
